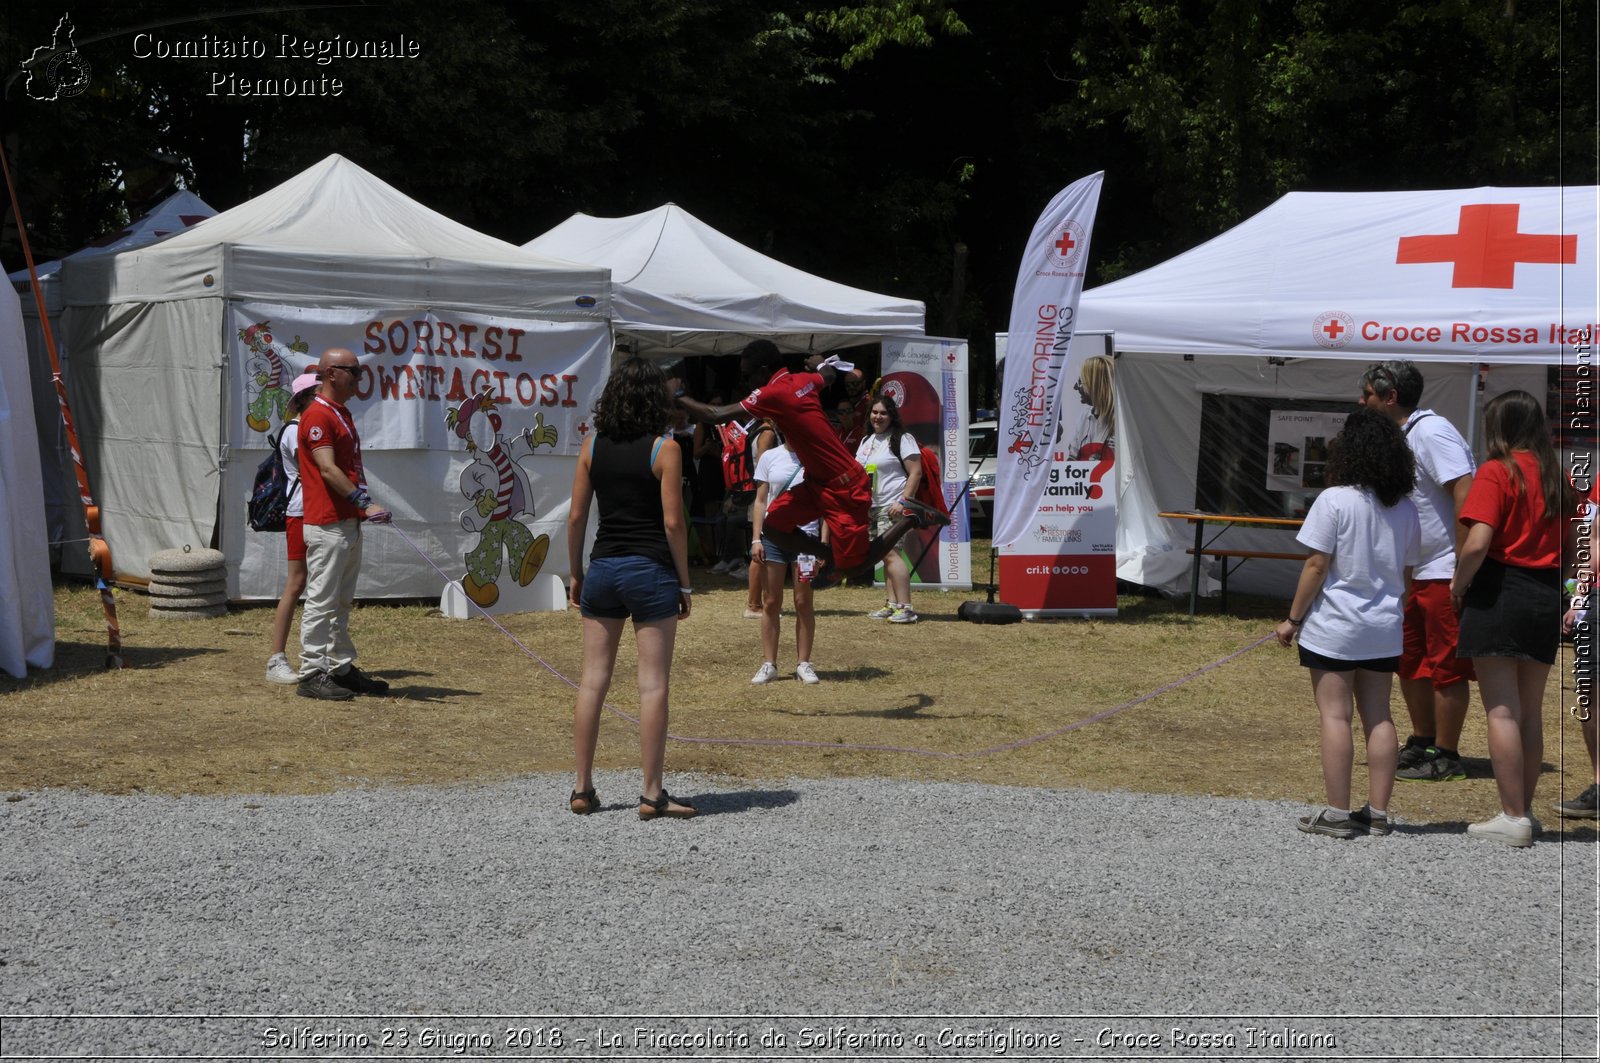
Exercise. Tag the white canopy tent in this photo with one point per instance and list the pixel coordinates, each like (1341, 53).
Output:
(1291, 304)
(178, 376)
(681, 285)
(27, 607)
(63, 512)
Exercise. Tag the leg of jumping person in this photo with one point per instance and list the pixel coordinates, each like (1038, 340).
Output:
(789, 514)
(830, 575)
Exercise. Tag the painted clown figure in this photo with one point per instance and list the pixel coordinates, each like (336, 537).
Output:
(267, 385)
(499, 490)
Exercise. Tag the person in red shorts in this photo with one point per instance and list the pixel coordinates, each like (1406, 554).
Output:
(1435, 683)
(835, 490)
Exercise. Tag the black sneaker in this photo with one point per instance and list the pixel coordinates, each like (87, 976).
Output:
(1322, 823)
(1585, 806)
(1438, 767)
(1367, 823)
(1414, 752)
(321, 685)
(356, 681)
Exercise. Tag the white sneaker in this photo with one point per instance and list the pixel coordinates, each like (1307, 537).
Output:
(904, 615)
(765, 674)
(278, 670)
(806, 674)
(882, 614)
(1502, 828)
(720, 567)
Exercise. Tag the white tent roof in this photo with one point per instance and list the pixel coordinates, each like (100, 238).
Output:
(177, 212)
(1496, 275)
(335, 235)
(681, 284)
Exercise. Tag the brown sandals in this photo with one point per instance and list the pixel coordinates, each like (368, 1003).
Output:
(584, 803)
(661, 807)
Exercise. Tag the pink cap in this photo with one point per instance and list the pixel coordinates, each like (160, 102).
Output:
(303, 381)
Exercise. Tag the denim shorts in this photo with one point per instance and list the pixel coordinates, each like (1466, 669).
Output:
(615, 588)
(775, 554)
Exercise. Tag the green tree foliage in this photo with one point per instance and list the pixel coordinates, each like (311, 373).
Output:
(1213, 109)
(877, 143)
(867, 28)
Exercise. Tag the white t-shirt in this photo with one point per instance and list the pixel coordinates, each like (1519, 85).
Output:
(889, 485)
(289, 451)
(1441, 455)
(780, 470)
(1357, 616)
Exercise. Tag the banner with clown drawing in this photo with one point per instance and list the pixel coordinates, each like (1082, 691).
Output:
(470, 429)
(416, 364)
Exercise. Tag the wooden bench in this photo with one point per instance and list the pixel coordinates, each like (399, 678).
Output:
(1243, 556)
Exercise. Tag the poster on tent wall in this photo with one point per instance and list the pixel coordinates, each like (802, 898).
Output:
(1297, 448)
(927, 378)
(470, 425)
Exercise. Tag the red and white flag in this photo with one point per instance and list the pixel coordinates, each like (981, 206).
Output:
(1044, 312)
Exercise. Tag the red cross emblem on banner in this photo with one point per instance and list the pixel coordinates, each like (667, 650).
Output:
(1333, 328)
(1486, 247)
(1065, 244)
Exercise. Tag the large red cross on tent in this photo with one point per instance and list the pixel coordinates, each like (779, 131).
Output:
(1486, 247)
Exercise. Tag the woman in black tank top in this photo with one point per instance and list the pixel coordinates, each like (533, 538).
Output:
(639, 567)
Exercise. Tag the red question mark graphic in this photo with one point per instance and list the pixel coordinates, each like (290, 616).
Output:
(1104, 461)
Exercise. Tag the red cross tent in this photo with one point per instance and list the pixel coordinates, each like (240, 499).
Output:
(1288, 307)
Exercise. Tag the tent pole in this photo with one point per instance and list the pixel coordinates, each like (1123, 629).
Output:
(1472, 406)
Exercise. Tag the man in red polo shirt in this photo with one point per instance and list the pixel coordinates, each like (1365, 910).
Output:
(336, 502)
(835, 490)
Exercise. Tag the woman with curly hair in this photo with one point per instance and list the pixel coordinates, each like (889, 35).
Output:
(1507, 588)
(1363, 537)
(639, 567)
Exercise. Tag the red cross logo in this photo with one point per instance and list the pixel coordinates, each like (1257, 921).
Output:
(1486, 247)
(583, 428)
(951, 357)
(1066, 244)
(1333, 328)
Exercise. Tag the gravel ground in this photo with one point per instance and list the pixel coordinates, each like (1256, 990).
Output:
(808, 919)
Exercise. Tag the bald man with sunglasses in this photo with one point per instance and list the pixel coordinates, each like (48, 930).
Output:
(334, 488)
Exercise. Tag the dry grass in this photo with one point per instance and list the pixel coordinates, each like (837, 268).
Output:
(191, 714)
